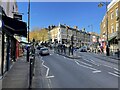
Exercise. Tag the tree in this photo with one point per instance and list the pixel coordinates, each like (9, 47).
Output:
(39, 34)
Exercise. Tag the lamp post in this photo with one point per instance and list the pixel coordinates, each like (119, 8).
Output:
(100, 5)
(28, 19)
(28, 29)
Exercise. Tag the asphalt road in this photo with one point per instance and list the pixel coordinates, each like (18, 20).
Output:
(88, 72)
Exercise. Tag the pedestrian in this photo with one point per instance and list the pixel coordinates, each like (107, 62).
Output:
(64, 49)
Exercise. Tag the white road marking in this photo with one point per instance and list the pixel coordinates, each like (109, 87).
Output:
(64, 57)
(91, 61)
(108, 66)
(77, 62)
(113, 74)
(47, 70)
(86, 66)
(116, 72)
(98, 71)
(50, 76)
(116, 69)
(49, 83)
(84, 63)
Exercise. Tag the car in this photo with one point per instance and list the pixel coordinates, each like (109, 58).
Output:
(39, 47)
(83, 49)
(44, 51)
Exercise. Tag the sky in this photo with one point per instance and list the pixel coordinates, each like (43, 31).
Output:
(81, 14)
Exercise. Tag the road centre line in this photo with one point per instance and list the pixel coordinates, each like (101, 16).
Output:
(113, 74)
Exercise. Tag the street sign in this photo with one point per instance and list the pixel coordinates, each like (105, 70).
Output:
(17, 16)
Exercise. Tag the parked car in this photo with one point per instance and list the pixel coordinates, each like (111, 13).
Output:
(44, 51)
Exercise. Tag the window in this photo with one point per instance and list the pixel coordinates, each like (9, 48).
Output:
(104, 25)
(112, 29)
(112, 15)
(116, 11)
(117, 26)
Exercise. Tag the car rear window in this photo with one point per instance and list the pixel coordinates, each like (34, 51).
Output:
(44, 49)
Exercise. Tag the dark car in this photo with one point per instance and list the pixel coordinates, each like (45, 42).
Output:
(39, 47)
(44, 51)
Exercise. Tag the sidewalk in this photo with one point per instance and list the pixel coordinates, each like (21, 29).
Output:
(17, 76)
(111, 56)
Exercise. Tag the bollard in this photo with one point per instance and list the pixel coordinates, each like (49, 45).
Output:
(118, 53)
(30, 72)
(27, 54)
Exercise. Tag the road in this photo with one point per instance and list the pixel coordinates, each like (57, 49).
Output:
(90, 71)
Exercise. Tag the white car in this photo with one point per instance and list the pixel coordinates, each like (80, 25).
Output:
(44, 51)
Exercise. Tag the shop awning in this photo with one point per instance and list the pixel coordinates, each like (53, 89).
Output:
(111, 38)
(14, 26)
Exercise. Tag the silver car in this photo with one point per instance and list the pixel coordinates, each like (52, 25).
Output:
(44, 51)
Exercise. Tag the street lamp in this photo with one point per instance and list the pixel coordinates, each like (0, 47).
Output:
(28, 29)
(28, 18)
(100, 5)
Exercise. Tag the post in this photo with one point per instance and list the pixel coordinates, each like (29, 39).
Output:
(72, 38)
(107, 47)
(28, 29)
(119, 35)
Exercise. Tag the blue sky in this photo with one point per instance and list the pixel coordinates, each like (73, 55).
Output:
(81, 14)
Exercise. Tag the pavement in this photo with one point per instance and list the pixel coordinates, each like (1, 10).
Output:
(111, 56)
(17, 76)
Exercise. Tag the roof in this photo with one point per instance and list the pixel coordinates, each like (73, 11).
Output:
(112, 3)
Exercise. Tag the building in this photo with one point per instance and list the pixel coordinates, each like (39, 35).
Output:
(113, 10)
(94, 42)
(10, 28)
(63, 34)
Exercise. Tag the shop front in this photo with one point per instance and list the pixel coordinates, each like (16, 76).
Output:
(10, 27)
